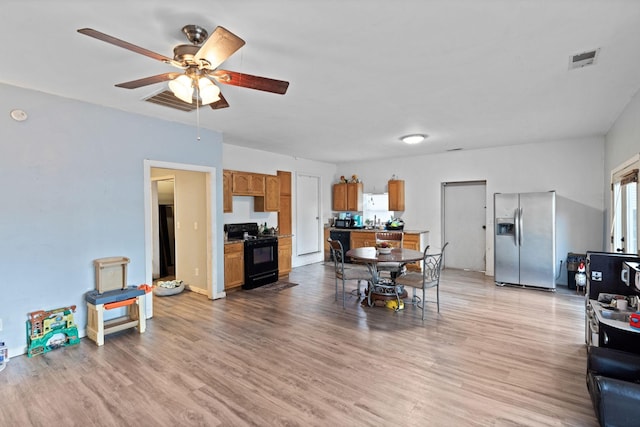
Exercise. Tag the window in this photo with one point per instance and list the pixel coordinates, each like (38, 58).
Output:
(624, 200)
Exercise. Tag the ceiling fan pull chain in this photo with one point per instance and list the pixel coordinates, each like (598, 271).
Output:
(198, 110)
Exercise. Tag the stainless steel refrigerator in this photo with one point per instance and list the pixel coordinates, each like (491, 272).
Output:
(525, 239)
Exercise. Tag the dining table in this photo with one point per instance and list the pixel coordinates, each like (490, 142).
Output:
(371, 256)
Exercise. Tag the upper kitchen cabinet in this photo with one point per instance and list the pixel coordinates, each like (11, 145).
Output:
(396, 195)
(247, 184)
(347, 196)
(284, 213)
(270, 202)
(285, 183)
(227, 195)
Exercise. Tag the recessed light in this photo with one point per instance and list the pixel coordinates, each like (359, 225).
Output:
(413, 139)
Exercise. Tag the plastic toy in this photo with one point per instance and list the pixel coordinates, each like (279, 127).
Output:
(48, 330)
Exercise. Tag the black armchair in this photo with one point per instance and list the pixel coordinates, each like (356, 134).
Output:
(613, 380)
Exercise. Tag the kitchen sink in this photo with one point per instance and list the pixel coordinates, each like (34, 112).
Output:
(615, 315)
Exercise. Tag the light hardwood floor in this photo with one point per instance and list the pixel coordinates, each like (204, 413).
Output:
(494, 356)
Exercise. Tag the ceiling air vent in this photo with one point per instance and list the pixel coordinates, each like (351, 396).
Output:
(583, 59)
(168, 99)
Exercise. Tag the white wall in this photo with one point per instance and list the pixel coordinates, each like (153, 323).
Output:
(621, 143)
(246, 159)
(73, 180)
(573, 168)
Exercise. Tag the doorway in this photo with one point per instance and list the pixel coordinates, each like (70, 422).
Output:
(464, 223)
(308, 227)
(624, 200)
(164, 244)
(192, 218)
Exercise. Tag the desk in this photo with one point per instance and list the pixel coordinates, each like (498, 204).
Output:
(371, 258)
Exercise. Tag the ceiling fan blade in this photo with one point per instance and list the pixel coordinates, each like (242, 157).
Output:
(148, 80)
(219, 46)
(221, 103)
(121, 43)
(252, 82)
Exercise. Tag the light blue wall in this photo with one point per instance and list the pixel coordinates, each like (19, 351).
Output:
(73, 191)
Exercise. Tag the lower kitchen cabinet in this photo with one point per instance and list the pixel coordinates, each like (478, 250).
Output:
(416, 241)
(327, 248)
(362, 239)
(285, 250)
(233, 265)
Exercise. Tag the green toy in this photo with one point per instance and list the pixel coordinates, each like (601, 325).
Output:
(48, 330)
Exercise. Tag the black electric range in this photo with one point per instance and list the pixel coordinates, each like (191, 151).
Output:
(260, 253)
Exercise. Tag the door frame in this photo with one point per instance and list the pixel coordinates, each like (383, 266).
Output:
(211, 227)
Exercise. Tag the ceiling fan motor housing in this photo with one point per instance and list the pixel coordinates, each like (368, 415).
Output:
(185, 53)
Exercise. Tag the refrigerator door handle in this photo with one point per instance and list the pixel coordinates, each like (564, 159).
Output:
(520, 227)
(516, 226)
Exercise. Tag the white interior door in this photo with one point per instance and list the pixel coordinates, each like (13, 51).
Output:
(308, 214)
(464, 228)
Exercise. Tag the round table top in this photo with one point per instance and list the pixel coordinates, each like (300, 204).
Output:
(370, 254)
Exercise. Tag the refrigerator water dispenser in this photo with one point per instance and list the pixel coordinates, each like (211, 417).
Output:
(504, 227)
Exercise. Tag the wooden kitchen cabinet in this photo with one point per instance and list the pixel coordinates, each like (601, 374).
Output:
(327, 248)
(233, 265)
(339, 197)
(270, 202)
(284, 215)
(285, 183)
(285, 250)
(416, 241)
(284, 212)
(362, 239)
(347, 196)
(247, 184)
(227, 195)
(396, 195)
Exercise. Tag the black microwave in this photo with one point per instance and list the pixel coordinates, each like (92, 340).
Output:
(343, 223)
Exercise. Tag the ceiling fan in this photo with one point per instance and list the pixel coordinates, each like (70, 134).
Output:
(199, 61)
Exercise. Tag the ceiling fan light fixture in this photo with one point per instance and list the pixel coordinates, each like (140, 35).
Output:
(413, 139)
(209, 92)
(182, 88)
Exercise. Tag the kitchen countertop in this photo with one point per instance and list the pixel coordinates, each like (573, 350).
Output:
(597, 307)
(364, 230)
(230, 241)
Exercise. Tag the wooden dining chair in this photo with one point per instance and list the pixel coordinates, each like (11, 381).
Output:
(343, 273)
(427, 279)
(394, 238)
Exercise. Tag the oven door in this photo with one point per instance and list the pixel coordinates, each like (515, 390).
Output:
(260, 262)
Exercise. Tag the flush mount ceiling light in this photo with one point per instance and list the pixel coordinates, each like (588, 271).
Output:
(413, 139)
(18, 115)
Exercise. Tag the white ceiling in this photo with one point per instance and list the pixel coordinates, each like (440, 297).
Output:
(471, 74)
